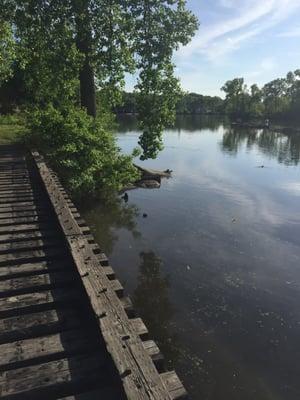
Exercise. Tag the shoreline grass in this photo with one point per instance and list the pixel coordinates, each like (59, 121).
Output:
(10, 134)
(11, 128)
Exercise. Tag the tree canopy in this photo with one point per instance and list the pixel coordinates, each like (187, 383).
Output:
(69, 48)
(7, 50)
(278, 98)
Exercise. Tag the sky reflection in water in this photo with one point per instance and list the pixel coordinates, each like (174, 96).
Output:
(215, 268)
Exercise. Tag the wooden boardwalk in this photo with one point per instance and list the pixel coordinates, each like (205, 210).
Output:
(66, 329)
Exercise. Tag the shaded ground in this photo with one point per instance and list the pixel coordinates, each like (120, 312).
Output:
(10, 133)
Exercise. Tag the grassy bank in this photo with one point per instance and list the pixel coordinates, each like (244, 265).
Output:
(11, 129)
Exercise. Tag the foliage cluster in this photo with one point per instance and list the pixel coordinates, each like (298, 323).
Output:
(65, 49)
(189, 103)
(63, 44)
(81, 148)
(278, 98)
(193, 103)
(12, 119)
(7, 50)
(11, 128)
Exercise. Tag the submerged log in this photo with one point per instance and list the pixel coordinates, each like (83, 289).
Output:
(150, 178)
(148, 184)
(153, 172)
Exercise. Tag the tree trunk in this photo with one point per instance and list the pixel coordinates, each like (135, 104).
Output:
(84, 45)
(87, 89)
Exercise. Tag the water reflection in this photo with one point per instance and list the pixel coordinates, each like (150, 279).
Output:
(192, 123)
(284, 147)
(106, 218)
(220, 288)
(151, 300)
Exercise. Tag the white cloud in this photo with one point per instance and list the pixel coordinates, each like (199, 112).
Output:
(251, 18)
(292, 187)
(294, 32)
(266, 65)
(228, 3)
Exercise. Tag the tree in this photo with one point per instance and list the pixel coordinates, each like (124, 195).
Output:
(237, 97)
(256, 107)
(293, 80)
(66, 45)
(7, 50)
(278, 98)
(275, 96)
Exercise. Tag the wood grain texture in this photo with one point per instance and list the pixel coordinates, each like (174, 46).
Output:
(137, 371)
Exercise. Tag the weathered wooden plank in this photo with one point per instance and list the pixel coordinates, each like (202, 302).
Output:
(19, 193)
(33, 268)
(31, 255)
(24, 220)
(29, 245)
(9, 206)
(33, 283)
(13, 172)
(20, 208)
(101, 257)
(5, 184)
(37, 301)
(43, 349)
(23, 186)
(117, 287)
(25, 172)
(14, 180)
(110, 273)
(6, 168)
(11, 176)
(139, 376)
(139, 327)
(105, 393)
(16, 200)
(128, 306)
(152, 349)
(12, 164)
(24, 228)
(52, 379)
(7, 238)
(19, 190)
(22, 214)
(174, 386)
(36, 324)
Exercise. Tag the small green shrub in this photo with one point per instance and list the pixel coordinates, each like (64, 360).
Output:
(11, 119)
(80, 149)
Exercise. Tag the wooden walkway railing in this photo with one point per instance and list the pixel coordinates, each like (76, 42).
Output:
(66, 329)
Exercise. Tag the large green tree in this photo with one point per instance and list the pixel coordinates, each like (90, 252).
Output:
(237, 98)
(7, 50)
(277, 98)
(72, 47)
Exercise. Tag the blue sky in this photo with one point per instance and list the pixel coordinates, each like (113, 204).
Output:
(255, 39)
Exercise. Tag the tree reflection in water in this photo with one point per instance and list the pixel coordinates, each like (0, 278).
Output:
(151, 301)
(107, 217)
(284, 147)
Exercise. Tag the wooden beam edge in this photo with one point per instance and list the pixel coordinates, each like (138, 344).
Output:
(140, 378)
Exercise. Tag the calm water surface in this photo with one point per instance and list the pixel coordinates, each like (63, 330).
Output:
(214, 270)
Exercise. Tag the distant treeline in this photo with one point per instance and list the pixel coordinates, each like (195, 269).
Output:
(278, 99)
(189, 103)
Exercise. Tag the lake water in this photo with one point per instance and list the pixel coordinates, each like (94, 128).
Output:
(214, 268)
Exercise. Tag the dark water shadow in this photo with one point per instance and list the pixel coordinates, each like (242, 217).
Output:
(284, 147)
(107, 216)
(151, 301)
